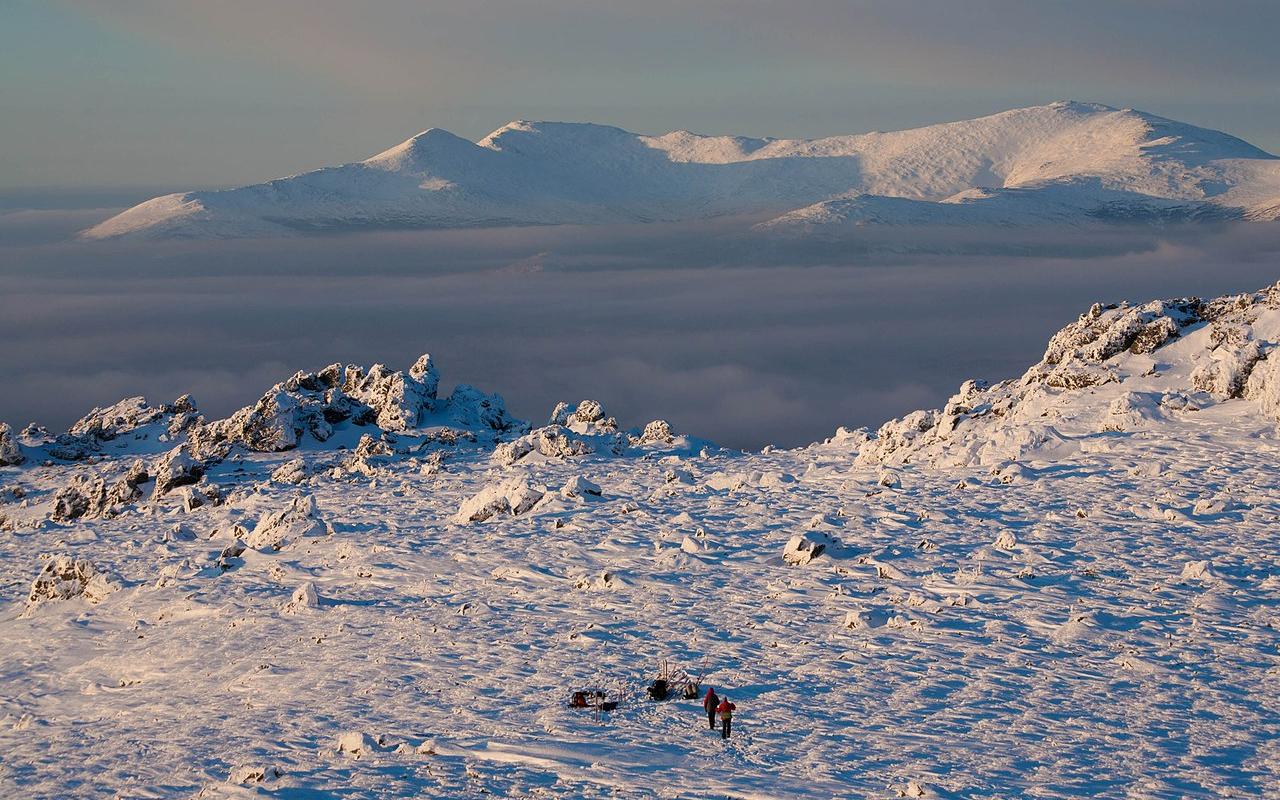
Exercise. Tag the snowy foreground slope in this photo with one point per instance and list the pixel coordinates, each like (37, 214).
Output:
(1063, 162)
(1062, 585)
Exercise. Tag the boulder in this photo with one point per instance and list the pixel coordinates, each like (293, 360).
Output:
(513, 497)
(578, 486)
(805, 547)
(10, 453)
(305, 596)
(299, 519)
(656, 432)
(65, 578)
(176, 468)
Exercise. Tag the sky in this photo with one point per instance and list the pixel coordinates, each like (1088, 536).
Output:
(106, 101)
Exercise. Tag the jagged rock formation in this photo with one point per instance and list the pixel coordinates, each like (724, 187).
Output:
(91, 497)
(1115, 368)
(132, 413)
(313, 403)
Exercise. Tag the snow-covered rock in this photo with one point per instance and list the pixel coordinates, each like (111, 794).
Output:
(292, 471)
(551, 441)
(250, 774)
(805, 547)
(304, 597)
(1118, 368)
(512, 497)
(65, 578)
(110, 422)
(316, 403)
(10, 453)
(357, 743)
(176, 468)
(299, 519)
(578, 486)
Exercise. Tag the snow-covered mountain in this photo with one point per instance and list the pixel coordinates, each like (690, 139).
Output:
(1063, 162)
(1060, 585)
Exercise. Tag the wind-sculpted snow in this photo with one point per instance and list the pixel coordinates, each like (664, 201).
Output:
(1117, 368)
(1055, 586)
(1063, 162)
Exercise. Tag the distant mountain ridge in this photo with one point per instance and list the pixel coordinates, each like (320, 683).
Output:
(1062, 162)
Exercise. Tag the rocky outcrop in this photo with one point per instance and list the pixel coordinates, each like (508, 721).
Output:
(1076, 355)
(132, 413)
(313, 403)
(1226, 356)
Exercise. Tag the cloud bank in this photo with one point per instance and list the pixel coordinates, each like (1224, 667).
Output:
(727, 336)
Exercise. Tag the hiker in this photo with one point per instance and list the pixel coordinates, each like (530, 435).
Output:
(726, 716)
(709, 704)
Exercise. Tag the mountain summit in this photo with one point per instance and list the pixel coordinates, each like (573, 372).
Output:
(1062, 162)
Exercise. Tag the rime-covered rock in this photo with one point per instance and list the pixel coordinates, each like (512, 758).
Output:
(176, 468)
(114, 420)
(514, 497)
(132, 413)
(84, 496)
(72, 447)
(304, 597)
(588, 416)
(578, 486)
(292, 471)
(10, 453)
(313, 403)
(1113, 370)
(656, 432)
(65, 578)
(300, 518)
(552, 441)
(804, 547)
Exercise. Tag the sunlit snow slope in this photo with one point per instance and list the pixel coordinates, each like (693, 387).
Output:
(1066, 584)
(1063, 162)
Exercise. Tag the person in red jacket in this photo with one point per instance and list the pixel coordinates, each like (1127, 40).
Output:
(709, 704)
(725, 710)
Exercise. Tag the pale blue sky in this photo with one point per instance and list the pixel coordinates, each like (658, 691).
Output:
(178, 93)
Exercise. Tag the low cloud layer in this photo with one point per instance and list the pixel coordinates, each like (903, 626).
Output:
(726, 336)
